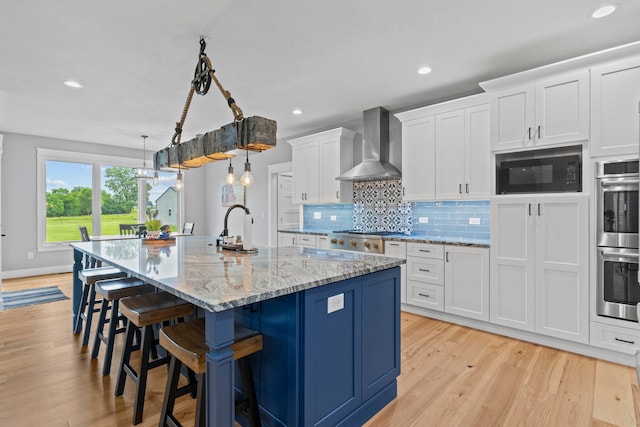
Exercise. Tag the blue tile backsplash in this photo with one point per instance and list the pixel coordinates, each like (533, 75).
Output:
(378, 206)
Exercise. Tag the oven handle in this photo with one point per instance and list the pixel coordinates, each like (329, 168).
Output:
(617, 182)
(619, 256)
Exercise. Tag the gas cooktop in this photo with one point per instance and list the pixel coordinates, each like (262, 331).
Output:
(367, 233)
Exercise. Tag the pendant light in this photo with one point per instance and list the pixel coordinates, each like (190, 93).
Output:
(179, 185)
(141, 173)
(231, 178)
(155, 177)
(247, 178)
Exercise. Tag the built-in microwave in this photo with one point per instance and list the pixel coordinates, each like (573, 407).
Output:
(553, 170)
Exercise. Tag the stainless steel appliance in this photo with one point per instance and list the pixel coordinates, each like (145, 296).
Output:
(617, 290)
(617, 203)
(552, 170)
(358, 241)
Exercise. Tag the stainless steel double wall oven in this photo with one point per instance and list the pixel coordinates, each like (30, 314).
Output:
(617, 290)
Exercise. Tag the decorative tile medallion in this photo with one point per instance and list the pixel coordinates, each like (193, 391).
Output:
(378, 206)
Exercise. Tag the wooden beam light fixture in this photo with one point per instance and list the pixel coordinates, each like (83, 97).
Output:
(252, 133)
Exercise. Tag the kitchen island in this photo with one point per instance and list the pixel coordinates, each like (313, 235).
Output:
(330, 322)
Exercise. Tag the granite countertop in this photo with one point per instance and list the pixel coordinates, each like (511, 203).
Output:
(412, 238)
(194, 269)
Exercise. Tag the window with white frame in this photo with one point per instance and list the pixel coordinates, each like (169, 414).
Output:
(98, 192)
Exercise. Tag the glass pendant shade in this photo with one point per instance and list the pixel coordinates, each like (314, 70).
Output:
(155, 178)
(231, 178)
(179, 185)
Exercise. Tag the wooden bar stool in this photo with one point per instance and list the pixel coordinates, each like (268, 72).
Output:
(111, 292)
(143, 312)
(89, 276)
(187, 346)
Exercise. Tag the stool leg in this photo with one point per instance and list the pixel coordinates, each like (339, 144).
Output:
(147, 342)
(249, 391)
(83, 303)
(113, 326)
(104, 307)
(201, 398)
(126, 358)
(170, 391)
(90, 310)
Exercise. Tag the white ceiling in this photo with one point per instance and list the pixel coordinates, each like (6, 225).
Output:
(331, 58)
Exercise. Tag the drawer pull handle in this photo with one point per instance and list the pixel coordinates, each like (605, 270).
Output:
(424, 295)
(424, 250)
(625, 341)
(426, 271)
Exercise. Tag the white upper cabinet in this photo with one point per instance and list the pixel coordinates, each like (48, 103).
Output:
(615, 95)
(554, 110)
(418, 159)
(316, 162)
(446, 150)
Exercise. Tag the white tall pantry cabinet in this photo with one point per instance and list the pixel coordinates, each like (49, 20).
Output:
(539, 265)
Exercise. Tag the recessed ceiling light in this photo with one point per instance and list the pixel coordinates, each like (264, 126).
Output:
(603, 11)
(296, 112)
(72, 83)
(424, 70)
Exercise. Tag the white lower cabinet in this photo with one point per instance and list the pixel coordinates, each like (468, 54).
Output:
(615, 338)
(466, 281)
(286, 239)
(306, 240)
(398, 250)
(425, 275)
(539, 265)
(322, 242)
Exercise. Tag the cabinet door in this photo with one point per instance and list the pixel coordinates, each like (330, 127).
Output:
(380, 324)
(561, 272)
(322, 242)
(477, 152)
(305, 168)
(418, 159)
(562, 109)
(466, 282)
(615, 93)
(286, 239)
(450, 164)
(329, 160)
(512, 258)
(513, 117)
(332, 380)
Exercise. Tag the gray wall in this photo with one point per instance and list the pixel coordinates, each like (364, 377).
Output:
(19, 203)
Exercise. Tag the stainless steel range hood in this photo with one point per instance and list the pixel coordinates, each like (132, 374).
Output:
(375, 164)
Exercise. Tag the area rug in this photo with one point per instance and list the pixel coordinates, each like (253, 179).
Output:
(32, 296)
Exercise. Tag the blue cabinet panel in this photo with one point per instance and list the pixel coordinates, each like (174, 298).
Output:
(332, 354)
(380, 324)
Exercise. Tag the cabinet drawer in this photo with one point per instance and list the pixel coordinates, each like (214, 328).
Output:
(306, 240)
(425, 295)
(425, 250)
(425, 270)
(395, 249)
(615, 338)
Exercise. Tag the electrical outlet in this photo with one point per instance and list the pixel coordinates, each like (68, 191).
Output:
(423, 220)
(29, 255)
(333, 218)
(317, 215)
(335, 303)
(474, 221)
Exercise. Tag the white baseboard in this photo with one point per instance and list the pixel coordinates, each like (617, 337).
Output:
(13, 274)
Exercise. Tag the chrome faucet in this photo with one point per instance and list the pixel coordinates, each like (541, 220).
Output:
(225, 232)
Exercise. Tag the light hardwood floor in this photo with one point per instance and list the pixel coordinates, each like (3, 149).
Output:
(451, 375)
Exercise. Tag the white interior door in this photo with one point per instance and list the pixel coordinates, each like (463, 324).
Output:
(288, 215)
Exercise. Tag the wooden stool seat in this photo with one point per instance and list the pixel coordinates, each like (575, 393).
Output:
(88, 302)
(187, 345)
(111, 292)
(143, 312)
(153, 308)
(90, 276)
